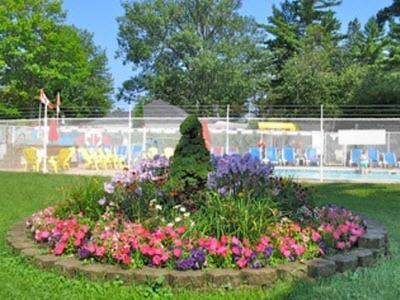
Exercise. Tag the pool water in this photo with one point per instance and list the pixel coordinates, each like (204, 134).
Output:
(340, 174)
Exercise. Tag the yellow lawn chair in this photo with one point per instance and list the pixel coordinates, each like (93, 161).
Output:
(153, 151)
(62, 160)
(168, 152)
(90, 161)
(32, 159)
(104, 159)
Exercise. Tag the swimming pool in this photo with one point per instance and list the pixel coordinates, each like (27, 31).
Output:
(392, 176)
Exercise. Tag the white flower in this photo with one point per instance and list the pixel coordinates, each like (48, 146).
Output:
(192, 224)
(158, 207)
(177, 219)
(176, 206)
(163, 220)
(170, 224)
(186, 215)
(152, 202)
(182, 209)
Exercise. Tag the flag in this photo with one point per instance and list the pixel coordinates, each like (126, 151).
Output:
(58, 103)
(43, 98)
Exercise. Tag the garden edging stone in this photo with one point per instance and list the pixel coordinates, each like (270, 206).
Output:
(372, 245)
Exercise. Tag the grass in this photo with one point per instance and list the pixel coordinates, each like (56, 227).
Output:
(22, 194)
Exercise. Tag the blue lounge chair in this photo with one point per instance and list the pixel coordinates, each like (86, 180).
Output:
(255, 152)
(122, 151)
(137, 152)
(271, 155)
(288, 156)
(373, 157)
(311, 156)
(390, 160)
(355, 156)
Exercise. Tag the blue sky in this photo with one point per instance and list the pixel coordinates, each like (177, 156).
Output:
(99, 17)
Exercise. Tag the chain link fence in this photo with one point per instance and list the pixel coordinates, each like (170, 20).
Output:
(321, 148)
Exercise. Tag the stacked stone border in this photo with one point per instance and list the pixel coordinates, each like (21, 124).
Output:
(372, 245)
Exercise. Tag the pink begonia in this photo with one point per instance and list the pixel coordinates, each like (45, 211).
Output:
(264, 240)
(178, 243)
(181, 230)
(223, 251)
(177, 252)
(224, 240)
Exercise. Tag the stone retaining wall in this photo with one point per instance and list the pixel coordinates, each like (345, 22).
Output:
(372, 245)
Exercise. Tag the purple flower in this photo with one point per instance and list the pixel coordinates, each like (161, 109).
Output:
(267, 252)
(139, 191)
(109, 188)
(102, 201)
(83, 252)
(256, 265)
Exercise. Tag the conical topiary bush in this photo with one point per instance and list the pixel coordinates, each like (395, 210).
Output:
(190, 164)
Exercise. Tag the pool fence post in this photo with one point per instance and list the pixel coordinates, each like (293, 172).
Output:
(321, 163)
(130, 136)
(227, 129)
(45, 139)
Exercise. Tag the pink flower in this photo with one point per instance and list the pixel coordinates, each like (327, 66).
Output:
(235, 241)
(315, 236)
(353, 238)
(178, 243)
(242, 262)
(100, 251)
(126, 259)
(181, 230)
(59, 249)
(337, 234)
(236, 250)
(343, 228)
(247, 252)
(44, 235)
(156, 260)
(340, 245)
(223, 251)
(264, 240)
(177, 252)
(224, 239)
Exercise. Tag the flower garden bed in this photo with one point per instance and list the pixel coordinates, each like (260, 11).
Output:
(371, 245)
(197, 221)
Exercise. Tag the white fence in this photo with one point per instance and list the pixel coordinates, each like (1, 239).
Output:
(288, 142)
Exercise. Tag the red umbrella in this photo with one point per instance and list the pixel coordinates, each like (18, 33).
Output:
(206, 133)
(53, 131)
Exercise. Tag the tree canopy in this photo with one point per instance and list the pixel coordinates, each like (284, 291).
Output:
(191, 52)
(37, 50)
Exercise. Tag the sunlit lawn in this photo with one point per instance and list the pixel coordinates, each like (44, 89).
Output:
(22, 194)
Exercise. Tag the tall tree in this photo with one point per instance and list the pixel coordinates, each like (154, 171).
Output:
(288, 26)
(190, 52)
(37, 50)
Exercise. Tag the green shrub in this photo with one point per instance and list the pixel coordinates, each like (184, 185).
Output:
(134, 203)
(190, 164)
(290, 196)
(242, 216)
(83, 197)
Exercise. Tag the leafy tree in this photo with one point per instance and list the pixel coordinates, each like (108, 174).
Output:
(190, 52)
(37, 50)
(288, 25)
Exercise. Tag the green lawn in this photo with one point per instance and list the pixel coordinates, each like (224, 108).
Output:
(22, 194)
